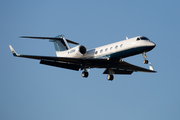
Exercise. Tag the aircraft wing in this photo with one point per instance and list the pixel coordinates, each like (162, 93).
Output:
(76, 63)
(128, 66)
(64, 62)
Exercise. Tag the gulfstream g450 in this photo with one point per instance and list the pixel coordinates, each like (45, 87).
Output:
(110, 57)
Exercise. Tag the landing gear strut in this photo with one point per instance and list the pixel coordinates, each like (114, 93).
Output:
(84, 73)
(144, 56)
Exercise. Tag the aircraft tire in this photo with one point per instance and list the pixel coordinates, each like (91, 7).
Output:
(85, 74)
(145, 61)
(110, 77)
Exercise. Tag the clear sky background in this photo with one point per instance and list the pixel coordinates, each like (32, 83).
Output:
(31, 91)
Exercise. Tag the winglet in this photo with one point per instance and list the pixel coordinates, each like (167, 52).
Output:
(150, 66)
(13, 51)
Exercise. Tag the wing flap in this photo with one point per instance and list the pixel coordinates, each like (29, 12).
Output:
(62, 65)
(118, 71)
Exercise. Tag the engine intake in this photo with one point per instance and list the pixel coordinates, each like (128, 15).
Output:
(82, 49)
(77, 51)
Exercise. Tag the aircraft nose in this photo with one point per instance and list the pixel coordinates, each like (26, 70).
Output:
(153, 44)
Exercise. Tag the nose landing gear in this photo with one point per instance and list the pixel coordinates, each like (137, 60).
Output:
(144, 56)
(145, 61)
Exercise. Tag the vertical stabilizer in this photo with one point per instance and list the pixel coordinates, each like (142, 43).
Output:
(60, 45)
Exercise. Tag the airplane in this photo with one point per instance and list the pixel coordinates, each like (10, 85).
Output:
(108, 56)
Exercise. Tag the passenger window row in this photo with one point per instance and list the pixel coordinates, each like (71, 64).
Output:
(116, 47)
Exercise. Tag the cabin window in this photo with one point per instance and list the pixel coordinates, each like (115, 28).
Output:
(138, 39)
(111, 48)
(101, 51)
(106, 49)
(96, 52)
(116, 47)
(121, 45)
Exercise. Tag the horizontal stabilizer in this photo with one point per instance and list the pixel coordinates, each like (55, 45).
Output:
(50, 38)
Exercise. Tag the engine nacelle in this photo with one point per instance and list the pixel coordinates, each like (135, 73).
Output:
(77, 51)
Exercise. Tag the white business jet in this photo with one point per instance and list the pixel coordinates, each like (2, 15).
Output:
(108, 56)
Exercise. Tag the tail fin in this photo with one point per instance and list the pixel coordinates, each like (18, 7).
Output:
(60, 45)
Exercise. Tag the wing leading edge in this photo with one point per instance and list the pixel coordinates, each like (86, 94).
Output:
(77, 63)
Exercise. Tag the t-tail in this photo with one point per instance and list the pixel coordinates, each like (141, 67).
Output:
(60, 45)
(60, 42)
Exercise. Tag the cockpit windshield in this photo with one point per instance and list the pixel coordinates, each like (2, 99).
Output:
(143, 38)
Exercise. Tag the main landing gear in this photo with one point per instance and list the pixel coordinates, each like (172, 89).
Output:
(110, 77)
(85, 74)
(144, 56)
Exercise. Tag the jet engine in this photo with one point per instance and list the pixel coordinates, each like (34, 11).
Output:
(77, 51)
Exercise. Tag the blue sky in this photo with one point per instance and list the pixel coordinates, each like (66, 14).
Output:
(29, 90)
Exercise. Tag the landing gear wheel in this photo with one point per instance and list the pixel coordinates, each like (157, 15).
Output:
(85, 74)
(145, 61)
(110, 77)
